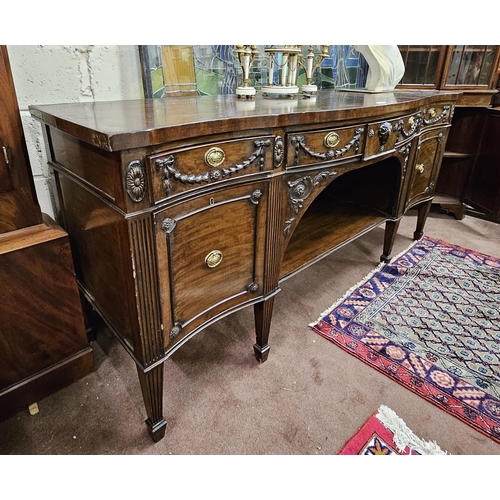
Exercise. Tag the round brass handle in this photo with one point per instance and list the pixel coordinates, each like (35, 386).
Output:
(214, 157)
(420, 168)
(331, 139)
(213, 259)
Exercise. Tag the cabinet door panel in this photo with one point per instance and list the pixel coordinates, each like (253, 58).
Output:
(426, 166)
(18, 203)
(209, 256)
(5, 181)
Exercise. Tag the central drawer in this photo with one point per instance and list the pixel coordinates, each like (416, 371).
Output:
(210, 256)
(310, 148)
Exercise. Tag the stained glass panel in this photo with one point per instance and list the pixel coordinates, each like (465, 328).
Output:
(215, 69)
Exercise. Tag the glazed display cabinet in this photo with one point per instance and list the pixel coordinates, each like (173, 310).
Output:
(469, 69)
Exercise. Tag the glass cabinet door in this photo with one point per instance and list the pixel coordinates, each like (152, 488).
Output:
(470, 66)
(423, 65)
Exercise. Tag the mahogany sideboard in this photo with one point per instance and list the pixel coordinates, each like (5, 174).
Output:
(183, 210)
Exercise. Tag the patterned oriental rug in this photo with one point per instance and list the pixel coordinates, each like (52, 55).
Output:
(384, 433)
(430, 320)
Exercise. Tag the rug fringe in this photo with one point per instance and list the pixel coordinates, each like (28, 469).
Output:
(359, 283)
(403, 436)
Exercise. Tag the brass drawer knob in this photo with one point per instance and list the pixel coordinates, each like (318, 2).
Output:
(331, 139)
(432, 112)
(214, 157)
(213, 259)
(420, 168)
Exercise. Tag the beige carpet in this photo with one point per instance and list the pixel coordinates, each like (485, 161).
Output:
(310, 397)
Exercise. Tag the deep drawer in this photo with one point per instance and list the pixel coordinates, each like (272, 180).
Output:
(210, 256)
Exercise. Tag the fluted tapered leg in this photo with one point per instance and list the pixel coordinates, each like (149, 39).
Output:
(152, 392)
(263, 313)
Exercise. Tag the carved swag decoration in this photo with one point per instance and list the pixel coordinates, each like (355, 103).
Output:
(433, 118)
(299, 143)
(169, 171)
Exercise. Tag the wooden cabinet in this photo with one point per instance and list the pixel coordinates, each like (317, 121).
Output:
(181, 211)
(18, 204)
(43, 343)
(472, 70)
(483, 186)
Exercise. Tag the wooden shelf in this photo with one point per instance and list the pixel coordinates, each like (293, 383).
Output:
(323, 229)
(456, 156)
(450, 204)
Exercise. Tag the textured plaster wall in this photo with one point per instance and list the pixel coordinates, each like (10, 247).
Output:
(47, 74)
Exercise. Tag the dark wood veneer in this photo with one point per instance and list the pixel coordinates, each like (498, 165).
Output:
(145, 211)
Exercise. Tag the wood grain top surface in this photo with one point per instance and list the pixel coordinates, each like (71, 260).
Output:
(118, 125)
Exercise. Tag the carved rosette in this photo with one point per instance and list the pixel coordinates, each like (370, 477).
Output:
(168, 225)
(135, 181)
(255, 196)
(169, 170)
(299, 191)
(279, 151)
(175, 331)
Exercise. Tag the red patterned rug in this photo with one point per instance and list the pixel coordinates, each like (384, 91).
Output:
(384, 433)
(429, 320)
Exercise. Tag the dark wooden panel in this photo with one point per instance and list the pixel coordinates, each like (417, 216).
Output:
(99, 168)
(425, 170)
(43, 343)
(17, 210)
(461, 149)
(18, 202)
(40, 310)
(101, 249)
(483, 189)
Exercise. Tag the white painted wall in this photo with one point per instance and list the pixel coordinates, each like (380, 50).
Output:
(48, 74)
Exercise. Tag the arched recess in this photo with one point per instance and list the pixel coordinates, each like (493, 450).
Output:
(332, 206)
